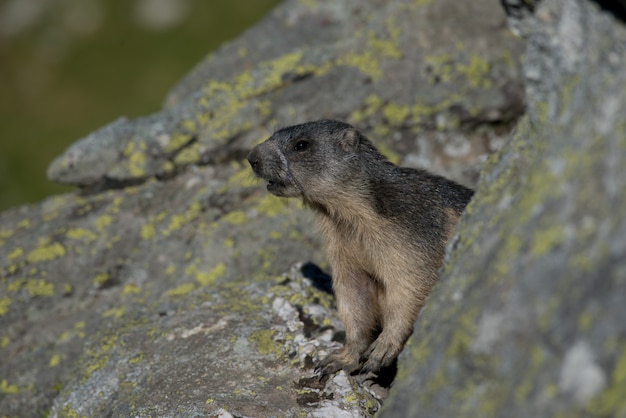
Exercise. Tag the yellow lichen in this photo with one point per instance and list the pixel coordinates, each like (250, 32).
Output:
(39, 287)
(395, 114)
(441, 67)
(34, 287)
(295, 235)
(67, 288)
(366, 62)
(208, 278)
(264, 342)
(181, 290)
(128, 149)
(372, 104)
(381, 130)
(546, 239)
(581, 261)
(81, 234)
(276, 235)
(541, 109)
(46, 253)
(279, 66)
(103, 221)
(147, 231)
(476, 72)
(610, 402)
(510, 247)
(137, 358)
(463, 334)
(385, 47)
(419, 112)
(101, 278)
(192, 268)
(54, 360)
(167, 167)
(130, 288)
(528, 381)
(16, 285)
(8, 389)
(177, 221)
(48, 215)
(178, 140)
(5, 302)
(5, 234)
(66, 336)
(136, 164)
(585, 320)
(23, 224)
(113, 312)
(189, 155)
(98, 358)
(17, 252)
(268, 256)
(236, 217)
(69, 412)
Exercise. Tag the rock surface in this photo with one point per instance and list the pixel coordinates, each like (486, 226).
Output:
(156, 290)
(529, 317)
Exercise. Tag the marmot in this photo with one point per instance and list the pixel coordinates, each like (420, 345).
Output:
(385, 228)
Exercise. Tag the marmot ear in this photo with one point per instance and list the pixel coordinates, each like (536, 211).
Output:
(350, 139)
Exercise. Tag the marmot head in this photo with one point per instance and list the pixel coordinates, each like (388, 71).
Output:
(308, 160)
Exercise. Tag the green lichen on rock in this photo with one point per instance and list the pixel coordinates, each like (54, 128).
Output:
(526, 320)
(229, 107)
(265, 344)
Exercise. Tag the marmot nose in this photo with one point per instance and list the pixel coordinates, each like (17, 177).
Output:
(253, 159)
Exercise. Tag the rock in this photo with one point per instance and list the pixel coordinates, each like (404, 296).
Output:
(528, 316)
(371, 67)
(157, 288)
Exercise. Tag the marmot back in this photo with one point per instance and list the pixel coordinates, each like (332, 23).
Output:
(385, 227)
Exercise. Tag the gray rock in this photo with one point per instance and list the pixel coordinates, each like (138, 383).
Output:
(383, 67)
(157, 288)
(528, 317)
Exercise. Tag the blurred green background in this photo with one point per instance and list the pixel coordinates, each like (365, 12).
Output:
(68, 67)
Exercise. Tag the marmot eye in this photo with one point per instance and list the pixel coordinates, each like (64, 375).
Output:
(301, 146)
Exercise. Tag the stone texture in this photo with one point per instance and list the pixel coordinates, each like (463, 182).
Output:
(383, 66)
(528, 317)
(156, 288)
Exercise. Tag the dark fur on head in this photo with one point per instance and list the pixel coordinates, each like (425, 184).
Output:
(297, 159)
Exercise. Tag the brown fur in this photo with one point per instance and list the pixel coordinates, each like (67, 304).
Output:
(385, 229)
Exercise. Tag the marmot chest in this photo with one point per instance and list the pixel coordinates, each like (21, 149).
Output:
(373, 247)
